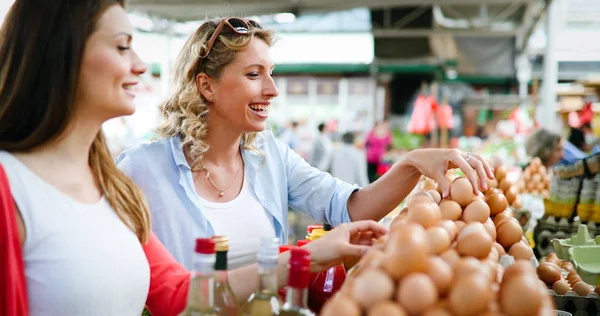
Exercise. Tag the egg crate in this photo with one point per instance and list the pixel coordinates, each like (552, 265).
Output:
(575, 304)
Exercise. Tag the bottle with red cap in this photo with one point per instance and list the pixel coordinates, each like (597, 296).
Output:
(282, 290)
(298, 279)
(201, 295)
(324, 284)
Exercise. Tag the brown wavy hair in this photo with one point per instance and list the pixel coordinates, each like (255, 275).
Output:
(185, 112)
(41, 49)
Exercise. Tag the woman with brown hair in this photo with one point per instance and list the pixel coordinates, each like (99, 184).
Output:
(217, 170)
(84, 228)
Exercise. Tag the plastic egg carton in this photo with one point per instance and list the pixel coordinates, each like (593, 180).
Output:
(577, 305)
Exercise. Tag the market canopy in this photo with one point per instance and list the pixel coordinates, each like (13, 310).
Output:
(469, 33)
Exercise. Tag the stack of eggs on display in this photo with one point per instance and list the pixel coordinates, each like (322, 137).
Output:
(550, 273)
(507, 187)
(441, 257)
(535, 179)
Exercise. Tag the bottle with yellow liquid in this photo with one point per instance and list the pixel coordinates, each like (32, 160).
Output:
(225, 301)
(265, 301)
(201, 296)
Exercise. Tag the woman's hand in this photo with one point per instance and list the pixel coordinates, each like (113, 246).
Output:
(435, 162)
(346, 240)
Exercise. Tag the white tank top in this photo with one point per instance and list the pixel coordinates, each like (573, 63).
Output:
(244, 221)
(80, 259)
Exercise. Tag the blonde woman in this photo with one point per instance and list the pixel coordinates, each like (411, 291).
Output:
(83, 226)
(216, 169)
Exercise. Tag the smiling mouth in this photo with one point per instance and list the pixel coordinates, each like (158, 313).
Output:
(260, 109)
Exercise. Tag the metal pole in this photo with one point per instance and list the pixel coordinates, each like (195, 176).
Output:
(547, 108)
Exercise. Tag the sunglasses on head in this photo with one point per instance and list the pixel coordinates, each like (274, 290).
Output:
(238, 25)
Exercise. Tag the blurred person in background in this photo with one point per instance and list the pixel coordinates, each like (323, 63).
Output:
(551, 148)
(350, 163)
(218, 171)
(377, 143)
(321, 150)
(75, 235)
(289, 135)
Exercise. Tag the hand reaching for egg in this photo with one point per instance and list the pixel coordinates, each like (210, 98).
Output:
(346, 240)
(435, 162)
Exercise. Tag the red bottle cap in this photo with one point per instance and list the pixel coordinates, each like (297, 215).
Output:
(205, 246)
(310, 228)
(302, 242)
(285, 248)
(299, 276)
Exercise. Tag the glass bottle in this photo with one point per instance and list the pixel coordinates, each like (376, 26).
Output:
(265, 300)
(298, 278)
(201, 296)
(324, 284)
(225, 302)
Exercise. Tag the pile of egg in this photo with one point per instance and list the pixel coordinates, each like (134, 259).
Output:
(550, 273)
(441, 257)
(506, 187)
(535, 179)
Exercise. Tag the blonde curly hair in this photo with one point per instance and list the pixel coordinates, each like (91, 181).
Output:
(185, 112)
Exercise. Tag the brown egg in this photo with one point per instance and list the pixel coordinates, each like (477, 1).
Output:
(405, 258)
(406, 231)
(461, 191)
(561, 287)
(498, 218)
(440, 273)
(521, 296)
(551, 257)
(518, 203)
(500, 173)
(460, 225)
(341, 305)
(505, 184)
(517, 269)
(474, 241)
(490, 228)
(450, 228)
(437, 197)
(548, 272)
(469, 296)
(511, 195)
(387, 308)
(369, 261)
(521, 250)
(501, 251)
(494, 256)
(371, 287)
(567, 266)
(492, 184)
(597, 290)
(573, 277)
(497, 203)
(582, 288)
(476, 211)
(480, 196)
(450, 210)
(420, 197)
(416, 293)
(438, 239)
(427, 214)
(437, 311)
(509, 232)
(451, 257)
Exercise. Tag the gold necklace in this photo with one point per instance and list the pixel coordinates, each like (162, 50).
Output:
(221, 191)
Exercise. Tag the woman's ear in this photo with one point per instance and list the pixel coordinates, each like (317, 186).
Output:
(205, 85)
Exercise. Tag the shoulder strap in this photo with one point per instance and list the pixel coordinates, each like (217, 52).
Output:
(13, 292)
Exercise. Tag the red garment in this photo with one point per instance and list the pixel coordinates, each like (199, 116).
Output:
(13, 288)
(444, 116)
(169, 280)
(422, 118)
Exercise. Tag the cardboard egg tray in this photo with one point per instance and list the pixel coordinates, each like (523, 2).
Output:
(577, 305)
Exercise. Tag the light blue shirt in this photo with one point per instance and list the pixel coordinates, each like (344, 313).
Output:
(279, 177)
